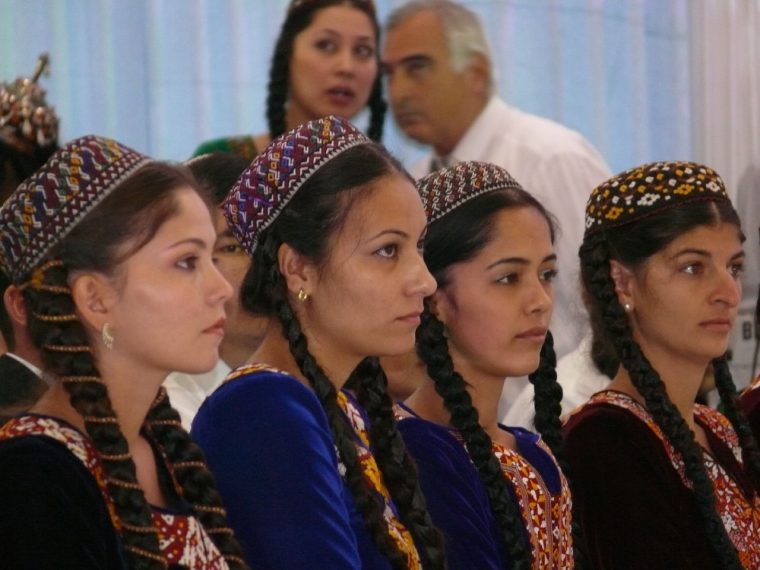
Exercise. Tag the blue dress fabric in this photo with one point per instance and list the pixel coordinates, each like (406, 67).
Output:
(455, 494)
(268, 442)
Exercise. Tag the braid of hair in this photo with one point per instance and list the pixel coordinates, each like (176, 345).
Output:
(595, 257)
(377, 108)
(369, 503)
(548, 397)
(66, 351)
(730, 402)
(432, 348)
(277, 88)
(548, 407)
(395, 463)
(195, 480)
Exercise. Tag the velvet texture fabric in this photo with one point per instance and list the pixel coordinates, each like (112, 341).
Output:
(634, 510)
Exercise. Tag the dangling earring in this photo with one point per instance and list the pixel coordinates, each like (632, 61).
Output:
(303, 296)
(107, 336)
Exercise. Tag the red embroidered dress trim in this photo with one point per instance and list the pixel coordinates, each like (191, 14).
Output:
(740, 514)
(182, 539)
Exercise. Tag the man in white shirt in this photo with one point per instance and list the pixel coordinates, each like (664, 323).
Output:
(440, 83)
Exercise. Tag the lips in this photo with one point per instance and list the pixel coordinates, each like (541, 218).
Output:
(217, 328)
(341, 95)
(411, 318)
(717, 325)
(535, 334)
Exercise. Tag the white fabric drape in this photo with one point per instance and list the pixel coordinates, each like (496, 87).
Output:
(163, 75)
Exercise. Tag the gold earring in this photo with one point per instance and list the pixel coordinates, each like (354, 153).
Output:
(107, 336)
(303, 296)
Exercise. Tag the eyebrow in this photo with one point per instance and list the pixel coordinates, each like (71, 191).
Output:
(337, 33)
(704, 253)
(391, 231)
(197, 241)
(520, 261)
(385, 67)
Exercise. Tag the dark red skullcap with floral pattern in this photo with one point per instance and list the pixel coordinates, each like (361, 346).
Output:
(648, 189)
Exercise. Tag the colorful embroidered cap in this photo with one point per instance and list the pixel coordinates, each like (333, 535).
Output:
(648, 189)
(26, 120)
(445, 190)
(48, 204)
(273, 178)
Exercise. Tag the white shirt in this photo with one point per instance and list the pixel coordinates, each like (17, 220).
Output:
(560, 168)
(579, 378)
(187, 391)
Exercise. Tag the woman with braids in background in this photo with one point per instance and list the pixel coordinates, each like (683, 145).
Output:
(325, 62)
(112, 253)
(659, 481)
(495, 492)
(303, 443)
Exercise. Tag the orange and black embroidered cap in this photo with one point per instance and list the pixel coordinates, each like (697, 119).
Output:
(649, 189)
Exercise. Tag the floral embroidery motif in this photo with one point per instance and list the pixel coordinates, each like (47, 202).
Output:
(740, 514)
(182, 539)
(547, 517)
(398, 531)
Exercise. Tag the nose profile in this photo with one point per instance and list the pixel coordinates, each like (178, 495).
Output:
(728, 289)
(540, 298)
(219, 287)
(424, 283)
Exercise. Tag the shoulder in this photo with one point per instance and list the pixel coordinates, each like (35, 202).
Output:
(431, 443)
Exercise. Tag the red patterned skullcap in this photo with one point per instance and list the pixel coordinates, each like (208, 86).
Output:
(48, 204)
(273, 178)
(445, 190)
(648, 189)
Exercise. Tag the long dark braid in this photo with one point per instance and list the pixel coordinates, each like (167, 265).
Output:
(595, 269)
(296, 20)
(66, 352)
(197, 485)
(731, 408)
(367, 500)
(432, 348)
(395, 463)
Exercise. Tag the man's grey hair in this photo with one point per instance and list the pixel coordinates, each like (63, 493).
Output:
(462, 29)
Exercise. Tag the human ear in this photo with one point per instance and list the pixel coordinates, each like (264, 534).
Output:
(299, 273)
(13, 299)
(95, 298)
(623, 279)
(478, 74)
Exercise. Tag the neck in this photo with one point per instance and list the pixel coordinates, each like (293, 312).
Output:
(236, 353)
(459, 126)
(682, 379)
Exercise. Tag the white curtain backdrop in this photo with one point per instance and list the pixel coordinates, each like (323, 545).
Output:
(163, 75)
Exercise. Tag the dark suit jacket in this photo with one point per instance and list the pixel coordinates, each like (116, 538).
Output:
(19, 388)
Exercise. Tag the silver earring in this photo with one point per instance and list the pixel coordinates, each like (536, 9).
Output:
(107, 336)
(627, 307)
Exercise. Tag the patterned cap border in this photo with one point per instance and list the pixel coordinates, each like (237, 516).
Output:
(434, 210)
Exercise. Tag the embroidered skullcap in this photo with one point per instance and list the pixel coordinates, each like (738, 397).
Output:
(26, 120)
(648, 189)
(48, 204)
(445, 190)
(273, 178)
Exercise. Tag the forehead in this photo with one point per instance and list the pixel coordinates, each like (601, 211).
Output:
(390, 202)
(519, 232)
(341, 19)
(420, 34)
(713, 238)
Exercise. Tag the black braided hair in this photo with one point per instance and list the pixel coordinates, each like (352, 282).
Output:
(455, 238)
(315, 213)
(433, 350)
(297, 19)
(370, 384)
(632, 245)
(130, 215)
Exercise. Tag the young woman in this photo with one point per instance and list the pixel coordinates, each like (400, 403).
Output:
(659, 481)
(496, 492)
(325, 62)
(303, 443)
(113, 256)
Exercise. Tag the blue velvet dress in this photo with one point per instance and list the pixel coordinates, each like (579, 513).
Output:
(267, 440)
